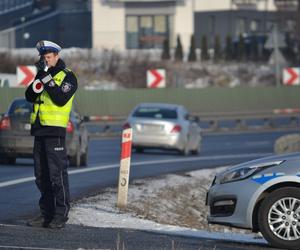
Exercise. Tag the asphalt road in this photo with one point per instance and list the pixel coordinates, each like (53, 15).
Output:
(18, 194)
(79, 237)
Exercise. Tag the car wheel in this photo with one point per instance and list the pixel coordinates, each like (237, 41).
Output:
(84, 158)
(4, 159)
(139, 150)
(279, 217)
(11, 160)
(197, 150)
(75, 159)
(185, 151)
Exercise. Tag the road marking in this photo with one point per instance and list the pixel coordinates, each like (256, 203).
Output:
(141, 163)
(257, 143)
(39, 248)
(17, 181)
(36, 248)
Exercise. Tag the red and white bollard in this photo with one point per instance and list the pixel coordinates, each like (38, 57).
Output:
(124, 168)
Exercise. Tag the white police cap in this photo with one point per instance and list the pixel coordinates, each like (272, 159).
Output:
(45, 47)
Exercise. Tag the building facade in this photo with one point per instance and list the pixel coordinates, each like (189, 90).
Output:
(145, 24)
(24, 22)
(140, 24)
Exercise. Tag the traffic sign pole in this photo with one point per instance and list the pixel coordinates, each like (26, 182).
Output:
(276, 51)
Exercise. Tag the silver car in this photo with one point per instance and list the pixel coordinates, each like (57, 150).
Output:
(164, 126)
(262, 195)
(16, 141)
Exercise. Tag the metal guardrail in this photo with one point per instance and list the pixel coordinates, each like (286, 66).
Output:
(111, 126)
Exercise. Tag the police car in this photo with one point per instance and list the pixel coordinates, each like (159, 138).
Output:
(262, 195)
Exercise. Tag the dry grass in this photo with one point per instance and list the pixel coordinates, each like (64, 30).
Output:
(178, 205)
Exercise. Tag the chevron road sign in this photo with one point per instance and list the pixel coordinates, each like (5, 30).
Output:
(156, 78)
(25, 75)
(291, 76)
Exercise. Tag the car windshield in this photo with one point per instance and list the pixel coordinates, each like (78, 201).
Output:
(20, 107)
(153, 112)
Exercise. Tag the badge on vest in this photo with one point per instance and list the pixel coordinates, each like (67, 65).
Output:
(66, 87)
(58, 148)
(51, 83)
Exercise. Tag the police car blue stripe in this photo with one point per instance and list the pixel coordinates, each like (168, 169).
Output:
(261, 179)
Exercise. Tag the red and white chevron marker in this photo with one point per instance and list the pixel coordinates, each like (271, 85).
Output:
(25, 75)
(291, 76)
(156, 78)
(124, 167)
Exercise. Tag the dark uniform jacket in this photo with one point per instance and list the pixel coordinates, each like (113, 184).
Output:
(60, 95)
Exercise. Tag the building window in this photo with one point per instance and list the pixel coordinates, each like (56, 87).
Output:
(146, 32)
(290, 25)
(254, 25)
(212, 24)
(270, 25)
(240, 26)
(132, 30)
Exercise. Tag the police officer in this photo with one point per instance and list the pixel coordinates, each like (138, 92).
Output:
(52, 94)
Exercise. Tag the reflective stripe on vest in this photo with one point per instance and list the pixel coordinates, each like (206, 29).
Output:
(49, 113)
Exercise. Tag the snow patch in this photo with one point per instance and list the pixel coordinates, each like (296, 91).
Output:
(101, 210)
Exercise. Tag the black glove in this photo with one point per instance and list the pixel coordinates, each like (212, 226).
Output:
(40, 64)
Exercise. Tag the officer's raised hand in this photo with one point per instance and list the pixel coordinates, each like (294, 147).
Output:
(41, 64)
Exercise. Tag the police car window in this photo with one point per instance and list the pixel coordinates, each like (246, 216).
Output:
(20, 107)
(158, 113)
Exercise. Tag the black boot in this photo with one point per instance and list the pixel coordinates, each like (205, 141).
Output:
(58, 222)
(39, 221)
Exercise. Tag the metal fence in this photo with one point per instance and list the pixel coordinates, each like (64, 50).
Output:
(275, 120)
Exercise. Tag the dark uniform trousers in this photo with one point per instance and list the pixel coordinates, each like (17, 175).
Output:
(50, 169)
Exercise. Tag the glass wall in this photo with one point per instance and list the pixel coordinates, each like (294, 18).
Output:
(8, 5)
(147, 31)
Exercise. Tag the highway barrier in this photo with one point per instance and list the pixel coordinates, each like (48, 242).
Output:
(218, 109)
(210, 123)
(197, 101)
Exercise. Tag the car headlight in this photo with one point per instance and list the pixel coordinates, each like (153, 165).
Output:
(245, 172)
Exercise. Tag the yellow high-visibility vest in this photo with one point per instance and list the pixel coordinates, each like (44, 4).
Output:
(49, 113)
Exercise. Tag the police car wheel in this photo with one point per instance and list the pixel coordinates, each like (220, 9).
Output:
(279, 217)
